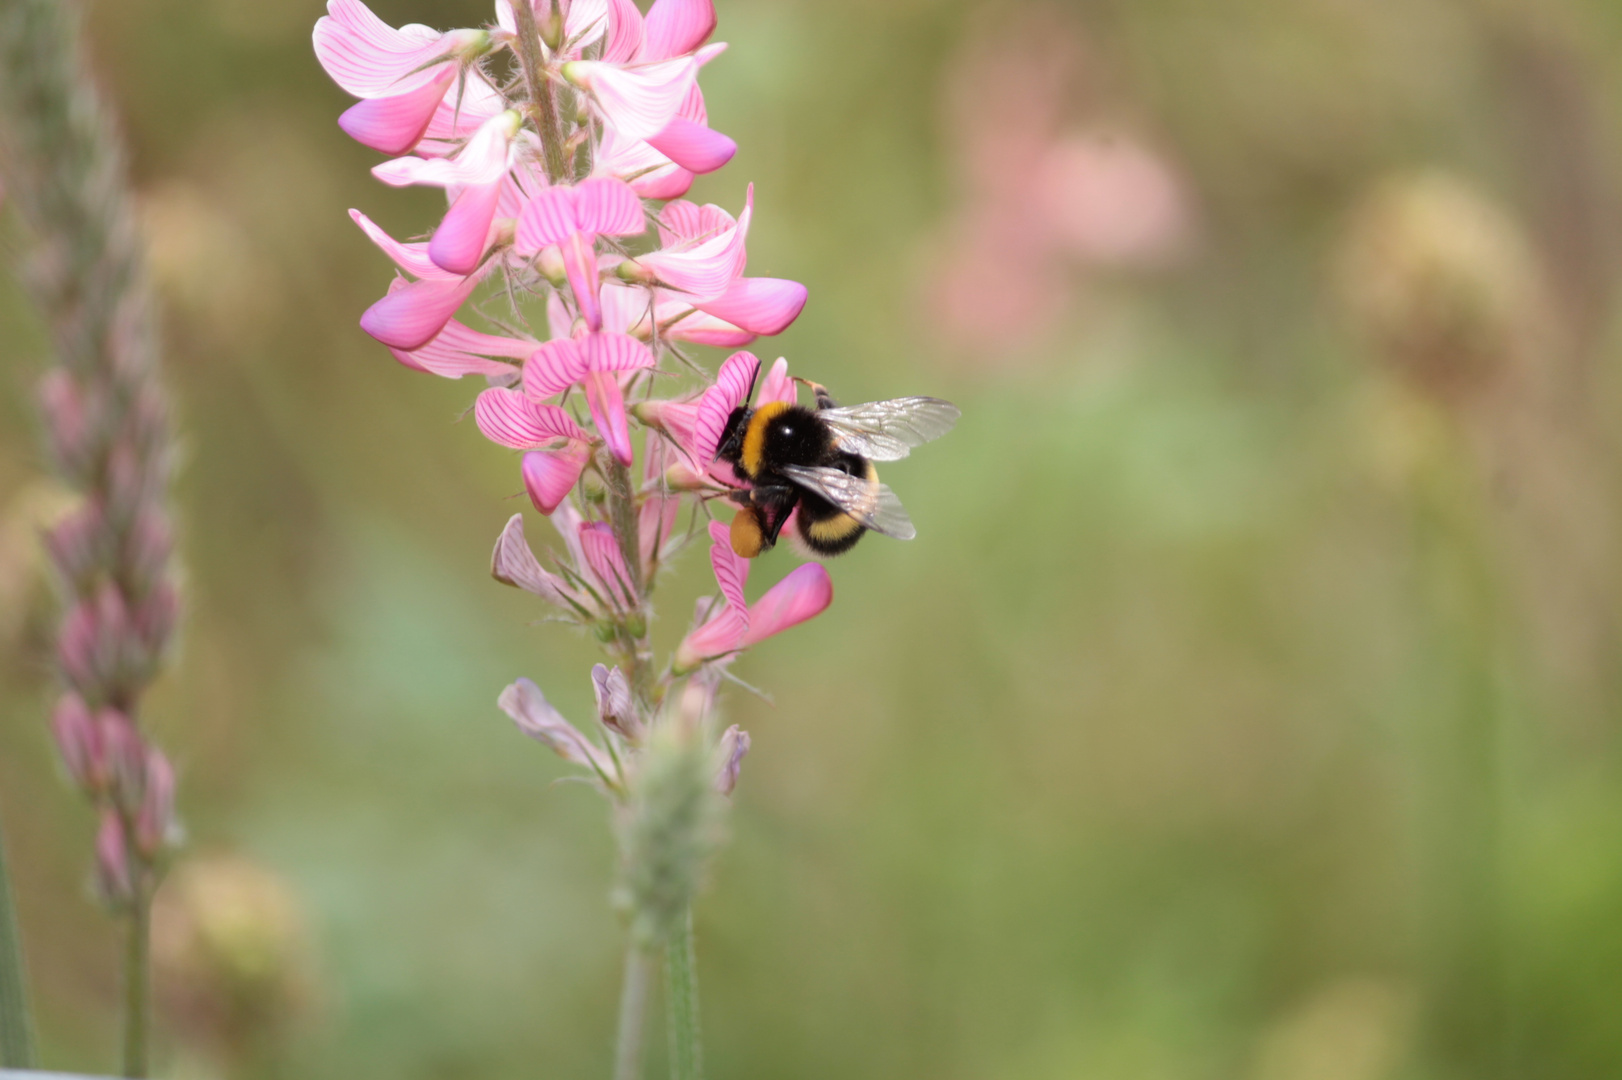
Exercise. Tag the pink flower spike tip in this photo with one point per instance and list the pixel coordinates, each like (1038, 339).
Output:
(549, 475)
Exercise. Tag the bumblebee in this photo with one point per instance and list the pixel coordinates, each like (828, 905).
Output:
(820, 462)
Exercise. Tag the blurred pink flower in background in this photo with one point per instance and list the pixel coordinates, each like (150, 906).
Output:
(1049, 187)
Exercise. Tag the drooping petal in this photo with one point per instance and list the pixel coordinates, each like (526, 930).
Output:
(761, 305)
(693, 146)
(459, 244)
(553, 368)
(650, 174)
(702, 329)
(412, 258)
(731, 569)
(580, 264)
(721, 634)
(549, 475)
(368, 57)
(511, 419)
(606, 562)
(393, 125)
(731, 389)
(606, 401)
(777, 386)
(460, 350)
(410, 317)
(513, 563)
(535, 717)
(676, 27)
(636, 101)
(482, 161)
(803, 594)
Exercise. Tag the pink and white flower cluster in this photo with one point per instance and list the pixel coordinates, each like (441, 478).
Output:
(564, 135)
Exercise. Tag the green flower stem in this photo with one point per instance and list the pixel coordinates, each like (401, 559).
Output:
(16, 1024)
(137, 1001)
(633, 1014)
(681, 973)
(543, 106)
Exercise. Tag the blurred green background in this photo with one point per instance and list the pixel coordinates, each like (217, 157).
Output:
(1248, 706)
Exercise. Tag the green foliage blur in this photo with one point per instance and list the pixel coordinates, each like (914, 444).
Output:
(1247, 707)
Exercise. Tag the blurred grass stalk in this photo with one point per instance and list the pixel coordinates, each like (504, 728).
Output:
(16, 1022)
(106, 425)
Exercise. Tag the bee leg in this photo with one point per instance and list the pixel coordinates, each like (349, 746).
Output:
(773, 504)
(825, 400)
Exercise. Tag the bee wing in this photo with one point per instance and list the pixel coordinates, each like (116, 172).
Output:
(888, 430)
(871, 503)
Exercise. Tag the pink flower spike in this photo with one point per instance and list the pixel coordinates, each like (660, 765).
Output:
(676, 27)
(607, 403)
(411, 316)
(371, 59)
(693, 146)
(509, 418)
(761, 305)
(549, 475)
(535, 717)
(731, 390)
(637, 102)
(393, 125)
(606, 563)
(804, 594)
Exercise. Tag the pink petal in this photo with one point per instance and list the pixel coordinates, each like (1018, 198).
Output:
(455, 351)
(608, 206)
(607, 404)
(553, 368)
(624, 31)
(702, 329)
(694, 146)
(656, 524)
(668, 183)
(706, 269)
(470, 103)
(460, 336)
(684, 222)
(731, 390)
(777, 386)
(637, 102)
(626, 308)
(584, 21)
(678, 419)
(804, 594)
(580, 264)
(615, 352)
(676, 27)
(535, 717)
(412, 258)
(482, 161)
(547, 219)
(549, 475)
(513, 563)
(616, 709)
(729, 752)
(458, 245)
(731, 569)
(606, 562)
(509, 418)
(762, 305)
(394, 124)
(411, 316)
(369, 58)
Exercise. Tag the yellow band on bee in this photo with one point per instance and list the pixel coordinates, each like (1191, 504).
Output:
(754, 436)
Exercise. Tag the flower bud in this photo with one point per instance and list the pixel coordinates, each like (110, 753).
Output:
(126, 759)
(112, 861)
(469, 44)
(616, 709)
(128, 481)
(155, 821)
(729, 754)
(635, 272)
(78, 740)
(147, 547)
(67, 423)
(79, 651)
(550, 263)
(154, 621)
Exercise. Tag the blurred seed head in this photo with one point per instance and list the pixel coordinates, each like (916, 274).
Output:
(672, 825)
(231, 953)
(1443, 284)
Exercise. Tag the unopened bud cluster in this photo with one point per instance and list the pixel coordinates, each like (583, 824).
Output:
(106, 429)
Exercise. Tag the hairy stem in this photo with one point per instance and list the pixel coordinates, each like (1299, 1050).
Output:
(543, 105)
(633, 1014)
(137, 1002)
(16, 1024)
(622, 515)
(681, 972)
